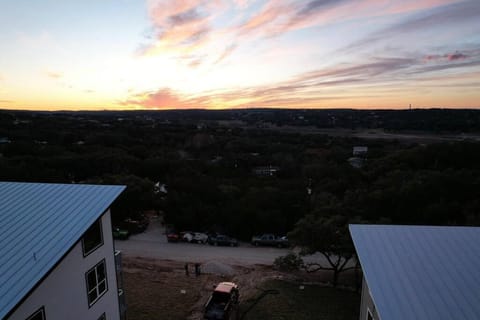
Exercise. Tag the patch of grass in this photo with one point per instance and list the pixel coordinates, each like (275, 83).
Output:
(313, 302)
(158, 296)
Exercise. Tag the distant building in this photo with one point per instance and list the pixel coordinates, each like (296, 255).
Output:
(418, 272)
(359, 157)
(266, 170)
(360, 151)
(57, 259)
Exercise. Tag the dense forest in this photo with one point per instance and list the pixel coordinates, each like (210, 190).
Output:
(228, 171)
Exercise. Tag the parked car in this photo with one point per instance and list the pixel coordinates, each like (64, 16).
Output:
(269, 239)
(121, 234)
(186, 236)
(223, 301)
(173, 236)
(222, 240)
(199, 237)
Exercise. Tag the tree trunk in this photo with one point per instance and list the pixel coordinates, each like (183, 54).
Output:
(335, 277)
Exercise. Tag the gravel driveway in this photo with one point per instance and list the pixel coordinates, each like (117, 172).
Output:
(153, 244)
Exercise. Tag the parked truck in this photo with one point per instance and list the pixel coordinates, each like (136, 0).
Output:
(269, 239)
(223, 302)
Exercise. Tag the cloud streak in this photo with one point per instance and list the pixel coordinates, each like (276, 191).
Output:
(186, 27)
(449, 14)
(279, 17)
(374, 78)
(178, 26)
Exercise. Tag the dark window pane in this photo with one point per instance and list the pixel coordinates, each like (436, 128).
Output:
(91, 280)
(101, 272)
(102, 317)
(92, 238)
(102, 287)
(92, 296)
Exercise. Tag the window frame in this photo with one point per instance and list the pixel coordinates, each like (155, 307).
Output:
(103, 316)
(85, 253)
(90, 290)
(40, 310)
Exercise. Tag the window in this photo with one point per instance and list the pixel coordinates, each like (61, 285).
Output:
(96, 282)
(102, 317)
(93, 238)
(38, 315)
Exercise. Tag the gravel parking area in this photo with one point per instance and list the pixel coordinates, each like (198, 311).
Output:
(153, 244)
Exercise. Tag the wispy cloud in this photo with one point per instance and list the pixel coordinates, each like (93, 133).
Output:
(458, 13)
(279, 17)
(188, 27)
(374, 78)
(228, 51)
(179, 26)
(242, 4)
(449, 57)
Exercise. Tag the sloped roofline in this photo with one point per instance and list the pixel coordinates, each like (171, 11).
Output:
(420, 272)
(41, 223)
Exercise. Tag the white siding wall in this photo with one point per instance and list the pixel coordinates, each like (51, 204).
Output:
(367, 303)
(64, 293)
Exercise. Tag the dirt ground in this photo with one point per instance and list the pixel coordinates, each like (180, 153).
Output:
(159, 289)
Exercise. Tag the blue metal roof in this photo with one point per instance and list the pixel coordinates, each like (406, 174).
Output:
(40, 222)
(421, 272)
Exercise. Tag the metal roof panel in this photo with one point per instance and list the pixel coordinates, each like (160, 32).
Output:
(40, 223)
(421, 272)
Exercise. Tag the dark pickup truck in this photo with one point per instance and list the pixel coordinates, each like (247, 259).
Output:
(222, 302)
(270, 240)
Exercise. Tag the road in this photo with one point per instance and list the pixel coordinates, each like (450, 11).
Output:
(153, 244)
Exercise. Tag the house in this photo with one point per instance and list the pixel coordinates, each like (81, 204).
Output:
(266, 171)
(360, 151)
(57, 259)
(359, 157)
(418, 272)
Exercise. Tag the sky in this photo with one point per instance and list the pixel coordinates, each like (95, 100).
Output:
(224, 54)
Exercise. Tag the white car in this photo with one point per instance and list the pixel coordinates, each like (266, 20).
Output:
(187, 236)
(199, 237)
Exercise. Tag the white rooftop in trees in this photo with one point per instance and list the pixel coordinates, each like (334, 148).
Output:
(39, 224)
(421, 272)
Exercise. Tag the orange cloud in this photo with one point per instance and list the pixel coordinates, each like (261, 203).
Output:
(180, 26)
(163, 99)
(380, 79)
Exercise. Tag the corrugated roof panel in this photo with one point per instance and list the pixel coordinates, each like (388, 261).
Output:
(39, 223)
(421, 272)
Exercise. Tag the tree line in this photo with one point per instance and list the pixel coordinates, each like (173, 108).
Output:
(207, 162)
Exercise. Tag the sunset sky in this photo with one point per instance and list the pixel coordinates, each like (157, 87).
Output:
(137, 54)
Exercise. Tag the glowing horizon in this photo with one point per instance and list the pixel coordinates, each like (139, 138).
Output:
(224, 54)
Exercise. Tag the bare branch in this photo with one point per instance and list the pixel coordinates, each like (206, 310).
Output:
(328, 258)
